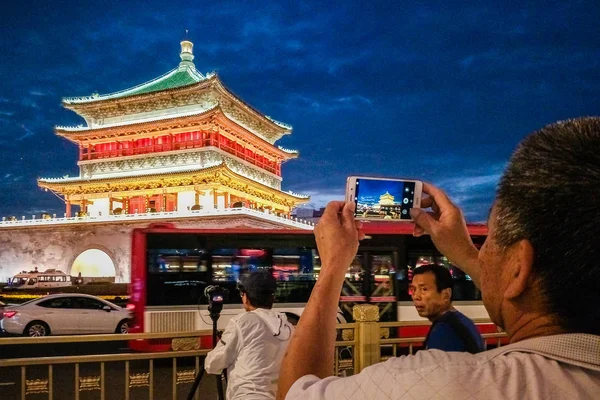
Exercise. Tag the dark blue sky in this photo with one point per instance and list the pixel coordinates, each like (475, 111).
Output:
(438, 92)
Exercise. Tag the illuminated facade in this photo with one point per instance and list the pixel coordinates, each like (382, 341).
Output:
(180, 142)
(386, 199)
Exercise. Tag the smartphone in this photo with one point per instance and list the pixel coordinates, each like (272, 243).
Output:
(386, 199)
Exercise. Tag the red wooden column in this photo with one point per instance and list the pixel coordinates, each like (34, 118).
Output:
(196, 197)
(83, 206)
(67, 207)
(216, 198)
(226, 199)
(80, 152)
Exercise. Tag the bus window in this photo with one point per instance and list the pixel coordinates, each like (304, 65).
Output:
(176, 277)
(354, 284)
(383, 288)
(228, 265)
(383, 272)
(296, 274)
(354, 287)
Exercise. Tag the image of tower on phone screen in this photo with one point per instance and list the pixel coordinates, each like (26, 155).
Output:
(384, 199)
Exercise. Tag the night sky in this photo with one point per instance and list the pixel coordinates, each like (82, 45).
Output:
(437, 92)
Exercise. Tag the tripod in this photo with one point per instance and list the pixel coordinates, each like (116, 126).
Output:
(214, 316)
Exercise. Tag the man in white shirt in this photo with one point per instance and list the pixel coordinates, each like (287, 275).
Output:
(253, 343)
(538, 273)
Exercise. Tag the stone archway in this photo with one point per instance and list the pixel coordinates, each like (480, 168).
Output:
(94, 265)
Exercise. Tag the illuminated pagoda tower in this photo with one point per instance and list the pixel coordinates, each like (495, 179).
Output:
(180, 142)
(386, 199)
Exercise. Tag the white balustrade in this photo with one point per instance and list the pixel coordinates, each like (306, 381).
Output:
(162, 215)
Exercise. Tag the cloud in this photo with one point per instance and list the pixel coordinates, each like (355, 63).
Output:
(38, 93)
(327, 105)
(29, 103)
(28, 132)
(473, 191)
(354, 100)
(468, 182)
(467, 61)
(265, 25)
(319, 198)
(339, 63)
(7, 113)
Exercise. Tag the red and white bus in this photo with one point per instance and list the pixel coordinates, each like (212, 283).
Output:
(171, 267)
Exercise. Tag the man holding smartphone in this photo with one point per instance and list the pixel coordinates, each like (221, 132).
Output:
(527, 270)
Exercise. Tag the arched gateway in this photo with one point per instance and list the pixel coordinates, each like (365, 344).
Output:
(94, 265)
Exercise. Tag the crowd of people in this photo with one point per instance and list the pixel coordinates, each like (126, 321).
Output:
(537, 271)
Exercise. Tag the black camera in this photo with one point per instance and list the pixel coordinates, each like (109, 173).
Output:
(216, 296)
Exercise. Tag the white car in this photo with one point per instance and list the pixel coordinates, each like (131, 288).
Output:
(65, 314)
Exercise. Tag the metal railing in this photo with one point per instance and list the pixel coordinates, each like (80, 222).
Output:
(416, 342)
(367, 342)
(101, 373)
(345, 349)
(141, 375)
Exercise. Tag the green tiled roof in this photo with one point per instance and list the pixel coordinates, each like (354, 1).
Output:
(178, 79)
(184, 75)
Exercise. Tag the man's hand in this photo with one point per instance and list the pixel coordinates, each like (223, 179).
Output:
(448, 230)
(337, 235)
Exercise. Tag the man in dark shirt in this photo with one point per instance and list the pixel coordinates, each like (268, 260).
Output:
(431, 290)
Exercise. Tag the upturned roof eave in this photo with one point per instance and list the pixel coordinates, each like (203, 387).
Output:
(54, 183)
(282, 128)
(74, 136)
(69, 102)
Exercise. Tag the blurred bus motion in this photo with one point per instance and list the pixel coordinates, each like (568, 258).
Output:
(171, 267)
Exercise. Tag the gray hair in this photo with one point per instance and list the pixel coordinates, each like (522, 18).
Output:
(550, 195)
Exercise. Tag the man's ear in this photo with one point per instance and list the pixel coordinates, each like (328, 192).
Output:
(520, 268)
(447, 294)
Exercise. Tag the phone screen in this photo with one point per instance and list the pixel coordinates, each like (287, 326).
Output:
(384, 199)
